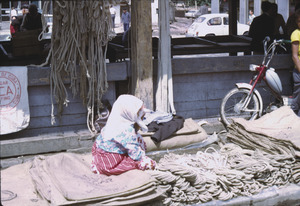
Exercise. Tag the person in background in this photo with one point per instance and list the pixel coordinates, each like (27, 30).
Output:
(224, 7)
(280, 27)
(262, 26)
(251, 17)
(291, 24)
(13, 13)
(113, 13)
(295, 39)
(126, 18)
(203, 10)
(16, 22)
(32, 20)
(119, 147)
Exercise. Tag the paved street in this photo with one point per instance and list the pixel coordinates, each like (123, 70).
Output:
(177, 28)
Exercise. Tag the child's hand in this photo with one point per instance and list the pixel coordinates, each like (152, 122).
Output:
(147, 163)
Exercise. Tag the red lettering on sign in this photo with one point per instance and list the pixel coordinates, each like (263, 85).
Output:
(9, 91)
(2, 93)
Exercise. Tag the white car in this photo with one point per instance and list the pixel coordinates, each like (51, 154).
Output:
(214, 25)
(190, 14)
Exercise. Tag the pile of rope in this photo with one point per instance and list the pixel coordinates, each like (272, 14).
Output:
(211, 175)
(81, 31)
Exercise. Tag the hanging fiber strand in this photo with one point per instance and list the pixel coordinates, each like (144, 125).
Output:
(44, 22)
(81, 31)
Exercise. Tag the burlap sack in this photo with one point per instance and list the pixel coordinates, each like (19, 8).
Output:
(66, 179)
(189, 134)
(281, 124)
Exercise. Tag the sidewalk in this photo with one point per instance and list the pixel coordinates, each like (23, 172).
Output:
(18, 151)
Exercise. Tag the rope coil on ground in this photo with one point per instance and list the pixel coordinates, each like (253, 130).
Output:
(223, 175)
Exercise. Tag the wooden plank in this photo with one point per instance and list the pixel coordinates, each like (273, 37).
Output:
(51, 131)
(45, 110)
(40, 95)
(190, 105)
(40, 75)
(198, 109)
(195, 114)
(213, 79)
(65, 120)
(203, 49)
(226, 64)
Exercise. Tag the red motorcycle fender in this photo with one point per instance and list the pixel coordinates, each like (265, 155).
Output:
(249, 87)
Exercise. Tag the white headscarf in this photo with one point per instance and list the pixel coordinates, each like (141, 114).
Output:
(123, 114)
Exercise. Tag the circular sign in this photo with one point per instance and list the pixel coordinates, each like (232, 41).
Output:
(10, 91)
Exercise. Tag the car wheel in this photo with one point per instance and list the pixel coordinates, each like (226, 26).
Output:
(210, 35)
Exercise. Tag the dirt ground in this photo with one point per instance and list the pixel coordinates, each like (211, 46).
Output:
(177, 28)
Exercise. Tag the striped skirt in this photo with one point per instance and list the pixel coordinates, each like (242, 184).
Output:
(111, 163)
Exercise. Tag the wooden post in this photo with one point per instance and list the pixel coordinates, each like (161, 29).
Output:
(141, 51)
(164, 95)
(232, 20)
(232, 17)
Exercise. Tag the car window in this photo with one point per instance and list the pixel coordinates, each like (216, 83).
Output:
(200, 19)
(225, 20)
(215, 21)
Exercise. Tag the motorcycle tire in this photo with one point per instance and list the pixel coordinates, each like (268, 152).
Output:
(231, 106)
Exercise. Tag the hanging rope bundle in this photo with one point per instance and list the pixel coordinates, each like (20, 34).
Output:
(81, 31)
(223, 175)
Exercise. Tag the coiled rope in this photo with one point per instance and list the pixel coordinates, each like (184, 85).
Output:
(81, 31)
(212, 175)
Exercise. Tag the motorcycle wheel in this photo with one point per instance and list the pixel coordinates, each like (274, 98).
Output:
(231, 106)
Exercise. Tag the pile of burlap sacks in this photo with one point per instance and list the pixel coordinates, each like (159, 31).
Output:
(277, 133)
(66, 178)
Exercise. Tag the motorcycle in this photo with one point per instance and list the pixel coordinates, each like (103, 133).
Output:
(244, 101)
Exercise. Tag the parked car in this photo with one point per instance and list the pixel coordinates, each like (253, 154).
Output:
(190, 14)
(213, 25)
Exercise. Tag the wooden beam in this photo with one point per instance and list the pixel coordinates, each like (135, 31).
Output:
(141, 51)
